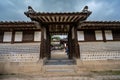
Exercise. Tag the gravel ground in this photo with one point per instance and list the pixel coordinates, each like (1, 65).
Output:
(23, 77)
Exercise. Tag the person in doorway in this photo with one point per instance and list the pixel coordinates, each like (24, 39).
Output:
(67, 50)
(65, 45)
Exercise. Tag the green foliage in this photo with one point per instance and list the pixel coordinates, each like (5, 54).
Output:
(57, 38)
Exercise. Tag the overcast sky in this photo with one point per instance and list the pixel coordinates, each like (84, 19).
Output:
(102, 10)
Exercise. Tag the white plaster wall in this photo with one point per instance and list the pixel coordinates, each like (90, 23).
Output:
(99, 50)
(37, 36)
(80, 35)
(18, 36)
(7, 37)
(108, 35)
(98, 35)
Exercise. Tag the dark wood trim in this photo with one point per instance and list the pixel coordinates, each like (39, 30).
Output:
(23, 42)
(43, 44)
(26, 30)
(76, 43)
(89, 35)
(100, 25)
(26, 34)
(116, 34)
(1, 36)
(70, 44)
(8, 28)
(58, 23)
(99, 41)
(27, 42)
(103, 34)
(13, 36)
(48, 43)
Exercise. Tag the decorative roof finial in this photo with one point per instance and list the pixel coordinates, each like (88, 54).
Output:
(30, 9)
(85, 9)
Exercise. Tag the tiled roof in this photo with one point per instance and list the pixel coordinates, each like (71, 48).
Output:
(57, 16)
(16, 24)
(99, 24)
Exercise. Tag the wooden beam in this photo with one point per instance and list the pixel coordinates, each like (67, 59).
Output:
(65, 18)
(42, 19)
(62, 23)
(48, 19)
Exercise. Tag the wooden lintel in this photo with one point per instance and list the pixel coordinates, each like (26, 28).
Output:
(57, 23)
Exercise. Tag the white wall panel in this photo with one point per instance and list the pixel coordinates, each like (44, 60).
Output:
(18, 36)
(7, 37)
(108, 35)
(80, 35)
(98, 35)
(37, 36)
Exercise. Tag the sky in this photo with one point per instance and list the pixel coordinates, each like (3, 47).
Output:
(102, 10)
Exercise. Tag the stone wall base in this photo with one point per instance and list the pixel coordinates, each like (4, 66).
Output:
(21, 67)
(98, 65)
(37, 68)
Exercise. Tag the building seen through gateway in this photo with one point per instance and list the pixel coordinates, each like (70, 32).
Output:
(66, 40)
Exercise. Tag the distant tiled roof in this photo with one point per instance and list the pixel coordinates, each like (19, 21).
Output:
(99, 25)
(17, 25)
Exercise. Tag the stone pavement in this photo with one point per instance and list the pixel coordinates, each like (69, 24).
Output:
(58, 54)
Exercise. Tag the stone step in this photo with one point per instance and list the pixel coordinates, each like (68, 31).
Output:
(60, 62)
(59, 70)
(59, 66)
(54, 60)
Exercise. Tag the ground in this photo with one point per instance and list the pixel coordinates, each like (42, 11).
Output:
(93, 77)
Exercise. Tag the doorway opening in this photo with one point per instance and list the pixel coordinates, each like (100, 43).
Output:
(59, 47)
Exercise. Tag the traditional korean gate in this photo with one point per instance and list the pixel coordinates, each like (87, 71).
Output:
(58, 23)
(55, 29)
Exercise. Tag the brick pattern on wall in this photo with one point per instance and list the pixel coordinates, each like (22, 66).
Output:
(27, 52)
(100, 50)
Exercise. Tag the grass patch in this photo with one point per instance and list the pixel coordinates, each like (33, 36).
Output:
(109, 72)
(8, 74)
(2, 76)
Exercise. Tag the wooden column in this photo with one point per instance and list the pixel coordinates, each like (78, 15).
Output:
(103, 34)
(43, 43)
(48, 55)
(76, 51)
(49, 46)
(70, 44)
(13, 36)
